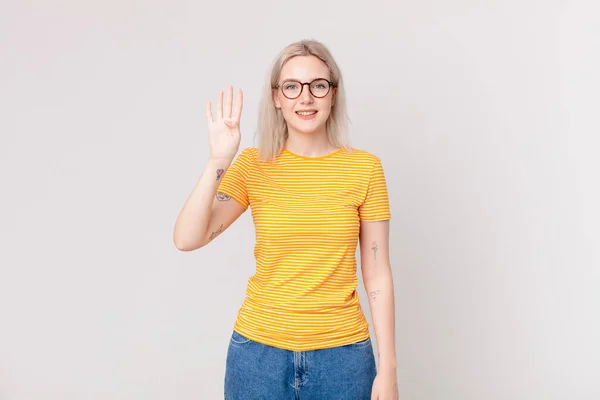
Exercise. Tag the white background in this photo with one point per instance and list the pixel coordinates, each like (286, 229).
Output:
(485, 116)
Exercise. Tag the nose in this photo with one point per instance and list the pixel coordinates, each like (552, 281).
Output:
(306, 96)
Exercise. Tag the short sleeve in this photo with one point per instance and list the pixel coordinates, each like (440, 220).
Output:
(234, 181)
(376, 205)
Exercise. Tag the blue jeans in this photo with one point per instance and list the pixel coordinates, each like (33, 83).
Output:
(255, 371)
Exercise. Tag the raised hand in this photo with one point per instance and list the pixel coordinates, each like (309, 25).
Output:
(224, 129)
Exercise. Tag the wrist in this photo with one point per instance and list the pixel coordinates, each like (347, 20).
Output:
(386, 367)
(387, 364)
(220, 161)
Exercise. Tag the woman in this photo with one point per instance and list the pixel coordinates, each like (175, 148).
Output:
(300, 332)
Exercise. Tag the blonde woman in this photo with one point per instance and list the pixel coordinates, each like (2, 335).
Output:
(301, 332)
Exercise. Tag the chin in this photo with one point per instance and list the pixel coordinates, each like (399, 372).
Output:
(308, 127)
(308, 130)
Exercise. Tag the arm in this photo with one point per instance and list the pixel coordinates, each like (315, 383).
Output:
(202, 212)
(204, 206)
(377, 278)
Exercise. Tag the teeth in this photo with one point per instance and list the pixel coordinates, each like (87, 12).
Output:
(307, 113)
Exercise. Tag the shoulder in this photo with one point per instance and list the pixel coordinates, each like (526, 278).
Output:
(249, 150)
(363, 156)
(248, 154)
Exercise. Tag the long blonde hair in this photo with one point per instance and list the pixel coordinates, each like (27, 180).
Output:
(272, 129)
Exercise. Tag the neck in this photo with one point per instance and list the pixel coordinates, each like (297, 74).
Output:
(313, 144)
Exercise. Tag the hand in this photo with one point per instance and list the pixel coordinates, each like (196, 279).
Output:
(224, 130)
(385, 386)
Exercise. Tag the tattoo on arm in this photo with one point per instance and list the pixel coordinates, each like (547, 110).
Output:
(220, 172)
(215, 233)
(374, 248)
(374, 295)
(222, 196)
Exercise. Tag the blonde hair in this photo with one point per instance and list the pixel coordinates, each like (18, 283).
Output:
(272, 129)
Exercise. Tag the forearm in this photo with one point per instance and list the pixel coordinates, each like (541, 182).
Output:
(380, 290)
(192, 222)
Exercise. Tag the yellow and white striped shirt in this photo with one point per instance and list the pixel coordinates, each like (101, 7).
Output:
(307, 213)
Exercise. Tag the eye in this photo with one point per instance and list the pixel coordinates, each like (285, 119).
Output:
(290, 86)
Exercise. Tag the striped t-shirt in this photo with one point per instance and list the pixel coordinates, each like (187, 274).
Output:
(307, 212)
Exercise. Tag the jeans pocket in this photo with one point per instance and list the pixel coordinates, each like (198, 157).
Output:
(363, 343)
(238, 340)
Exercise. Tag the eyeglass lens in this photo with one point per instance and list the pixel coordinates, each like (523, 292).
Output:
(293, 89)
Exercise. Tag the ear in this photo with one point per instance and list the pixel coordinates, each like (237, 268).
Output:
(276, 98)
(333, 93)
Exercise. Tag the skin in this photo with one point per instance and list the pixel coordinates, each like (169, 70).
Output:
(377, 278)
(215, 233)
(307, 138)
(206, 214)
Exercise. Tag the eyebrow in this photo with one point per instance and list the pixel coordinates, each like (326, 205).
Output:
(299, 80)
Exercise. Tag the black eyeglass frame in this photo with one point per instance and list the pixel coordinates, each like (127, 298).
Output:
(280, 86)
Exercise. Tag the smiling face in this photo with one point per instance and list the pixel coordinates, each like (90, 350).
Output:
(306, 113)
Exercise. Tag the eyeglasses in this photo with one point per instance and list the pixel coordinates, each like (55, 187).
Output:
(292, 89)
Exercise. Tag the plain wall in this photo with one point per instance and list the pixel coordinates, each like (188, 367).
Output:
(485, 117)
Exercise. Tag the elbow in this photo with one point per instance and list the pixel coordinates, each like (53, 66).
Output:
(186, 245)
(181, 246)
(383, 273)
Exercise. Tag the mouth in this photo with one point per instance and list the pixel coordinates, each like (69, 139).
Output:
(308, 114)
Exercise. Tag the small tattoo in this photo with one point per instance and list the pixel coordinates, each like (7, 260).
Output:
(374, 248)
(374, 295)
(220, 172)
(222, 196)
(215, 233)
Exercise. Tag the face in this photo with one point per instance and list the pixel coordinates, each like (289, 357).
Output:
(306, 113)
